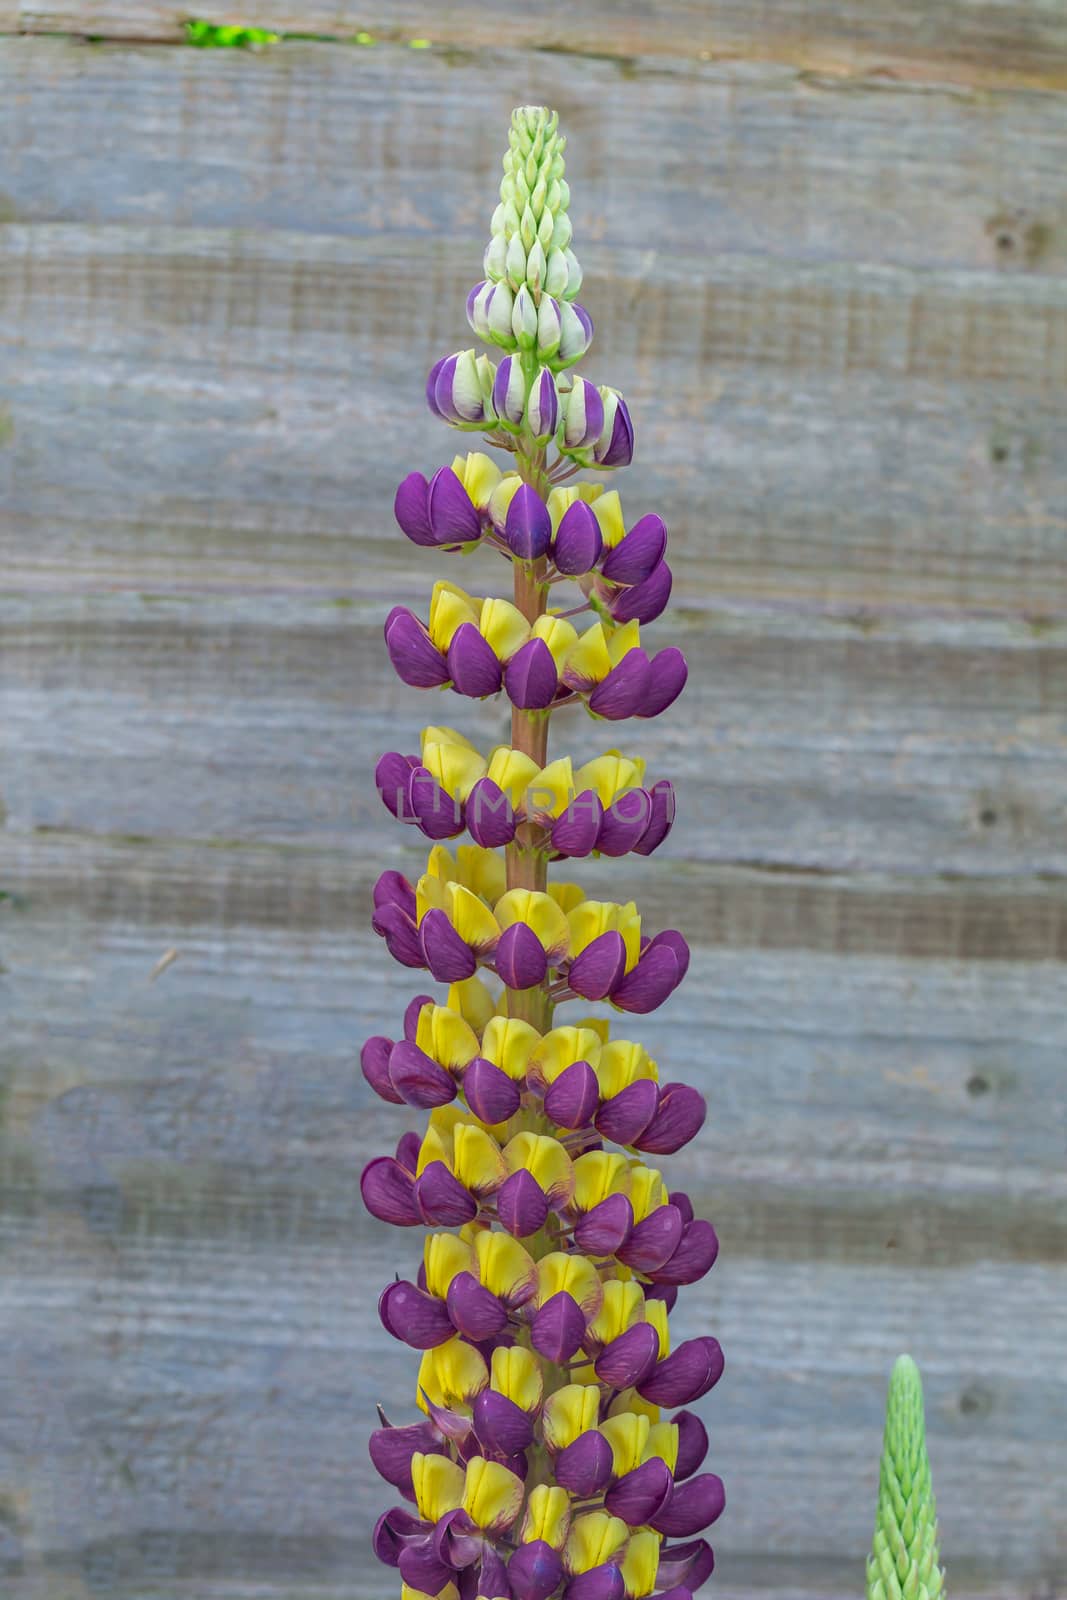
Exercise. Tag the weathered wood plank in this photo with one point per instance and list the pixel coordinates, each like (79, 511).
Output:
(919, 749)
(988, 42)
(719, 157)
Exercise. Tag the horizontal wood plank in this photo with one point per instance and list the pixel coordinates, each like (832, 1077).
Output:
(972, 41)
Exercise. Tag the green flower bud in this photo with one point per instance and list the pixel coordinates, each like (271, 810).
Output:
(574, 275)
(499, 316)
(903, 1564)
(536, 268)
(528, 229)
(495, 260)
(524, 319)
(557, 273)
(516, 261)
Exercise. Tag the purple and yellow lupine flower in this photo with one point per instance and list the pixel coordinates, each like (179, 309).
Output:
(546, 1461)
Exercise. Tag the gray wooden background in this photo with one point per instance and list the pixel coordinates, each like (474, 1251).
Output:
(826, 244)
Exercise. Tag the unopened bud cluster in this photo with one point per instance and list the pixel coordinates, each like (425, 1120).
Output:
(903, 1564)
(543, 1462)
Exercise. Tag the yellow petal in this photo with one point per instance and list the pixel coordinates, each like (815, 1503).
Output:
(608, 512)
(517, 1375)
(450, 608)
(559, 635)
(621, 1063)
(546, 1161)
(452, 1374)
(656, 1315)
(511, 771)
(598, 1174)
(601, 1026)
(571, 1411)
(457, 770)
(472, 918)
(505, 1268)
(539, 912)
(503, 627)
(568, 1272)
(492, 1496)
(561, 1048)
(479, 1165)
(449, 1592)
(502, 496)
(623, 640)
(629, 925)
(437, 733)
(482, 871)
(663, 1442)
(430, 895)
(630, 1400)
(560, 500)
(593, 1539)
(435, 1146)
(548, 1515)
(623, 1305)
(552, 790)
(444, 1036)
(438, 1484)
(507, 1042)
(641, 1563)
(444, 1255)
(588, 659)
(479, 476)
(628, 1436)
(647, 1190)
(566, 895)
(441, 863)
(589, 920)
(609, 775)
(473, 1000)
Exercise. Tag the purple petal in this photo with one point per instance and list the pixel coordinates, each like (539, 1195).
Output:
(422, 1568)
(391, 1450)
(571, 1102)
(508, 403)
(374, 1059)
(692, 1443)
(692, 1507)
(689, 1564)
(531, 678)
(528, 528)
(674, 941)
(578, 542)
(438, 814)
(694, 1256)
(489, 815)
(601, 1231)
(625, 821)
(543, 408)
(431, 385)
(654, 1240)
(585, 1466)
(452, 515)
(645, 601)
(599, 968)
(491, 1094)
(648, 984)
(558, 1328)
(400, 934)
(520, 957)
(492, 1574)
(685, 1375)
(413, 1317)
(412, 1012)
(680, 1117)
(472, 666)
(418, 1078)
(416, 658)
(624, 688)
(389, 1192)
(441, 1199)
(521, 1204)
(393, 1530)
(409, 508)
(678, 1197)
(679, 1592)
(447, 957)
(500, 1424)
(662, 819)
(638, 553)
(392, 888)
(628, 1360)
(667, 1292)
(452, 1425)
(599, 1583)
(576, 830)
(457, 1540)
(666, 681)
(535, 1570)
(475, 1310)
(408, 1148)
(628, 1113)
(619, 449)
(392, 778)
(640, 1494)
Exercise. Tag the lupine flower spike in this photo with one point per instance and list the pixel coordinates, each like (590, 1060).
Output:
(903, 1564)
(550, 1458)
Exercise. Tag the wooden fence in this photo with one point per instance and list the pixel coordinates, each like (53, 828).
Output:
(825, 244)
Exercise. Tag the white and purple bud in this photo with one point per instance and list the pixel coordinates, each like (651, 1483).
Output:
(524, 319)
(535, 268)
(583, 416)
(498, 309)
(615, 447)
(576, 334)
(542, 407)
(454, 390)
(549, 328)
(476, 312)
(509, 393)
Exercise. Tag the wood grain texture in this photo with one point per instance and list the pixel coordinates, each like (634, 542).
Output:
(842, 326)
(969, 41)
